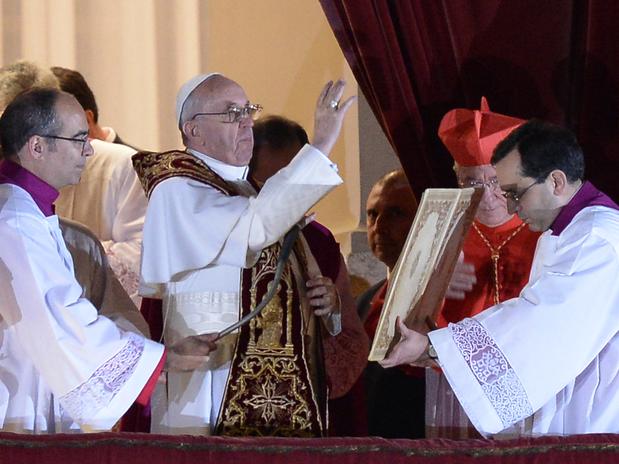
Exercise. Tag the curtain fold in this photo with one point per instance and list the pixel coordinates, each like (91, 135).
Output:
(414, 60)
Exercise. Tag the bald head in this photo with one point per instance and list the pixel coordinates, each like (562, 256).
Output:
(390, 211)
(394, 180)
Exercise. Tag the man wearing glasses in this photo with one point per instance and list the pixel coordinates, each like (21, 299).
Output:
(63, 368)
(91, 266)
(497, 253)
(549, 357)
(210, 248)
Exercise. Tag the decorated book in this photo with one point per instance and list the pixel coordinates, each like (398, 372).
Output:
(421, 275)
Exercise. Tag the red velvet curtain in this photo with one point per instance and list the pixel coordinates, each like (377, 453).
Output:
(416, 59)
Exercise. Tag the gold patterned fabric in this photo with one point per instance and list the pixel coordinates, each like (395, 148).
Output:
(270, 390)
(153, 168)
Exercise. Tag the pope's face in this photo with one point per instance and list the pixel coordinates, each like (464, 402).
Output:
(229, 142)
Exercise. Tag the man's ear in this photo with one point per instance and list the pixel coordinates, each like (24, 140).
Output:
(189, 129)
(90, 119)
(559, 182)
(35, 146)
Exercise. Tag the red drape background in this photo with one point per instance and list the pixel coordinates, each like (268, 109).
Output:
(416, 59)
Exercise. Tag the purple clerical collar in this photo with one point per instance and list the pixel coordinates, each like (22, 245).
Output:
(41, 192)
(588, 195)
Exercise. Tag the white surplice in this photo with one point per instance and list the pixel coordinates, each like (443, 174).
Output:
(62, 368)
(97, 279)
(110, 201)
(552, 354)
(196, 241)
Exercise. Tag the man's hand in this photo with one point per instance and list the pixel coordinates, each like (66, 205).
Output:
(329, 115)
(462, 280)
(190, 353)
(322, 295)
(411, 348)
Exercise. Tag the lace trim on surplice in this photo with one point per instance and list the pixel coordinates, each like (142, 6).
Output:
(491, 369)
(86, 400)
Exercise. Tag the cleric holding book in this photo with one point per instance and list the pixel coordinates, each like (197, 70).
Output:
(550, 355)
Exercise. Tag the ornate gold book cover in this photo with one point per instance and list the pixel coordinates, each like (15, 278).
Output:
(421, 275)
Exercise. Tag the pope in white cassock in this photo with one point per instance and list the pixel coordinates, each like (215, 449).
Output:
(62, 367)
(204, 224)
(546, 361)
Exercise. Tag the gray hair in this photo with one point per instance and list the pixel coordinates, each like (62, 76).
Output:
(23, 75)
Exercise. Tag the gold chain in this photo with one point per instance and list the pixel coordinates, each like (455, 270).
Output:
(494, 255)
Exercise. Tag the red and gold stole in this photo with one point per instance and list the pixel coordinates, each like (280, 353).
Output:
(153, 168)
(277, 385)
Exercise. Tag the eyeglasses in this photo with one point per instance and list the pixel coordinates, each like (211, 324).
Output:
(236, 113)
(491, 184)
(70, 139)
(515, 197)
